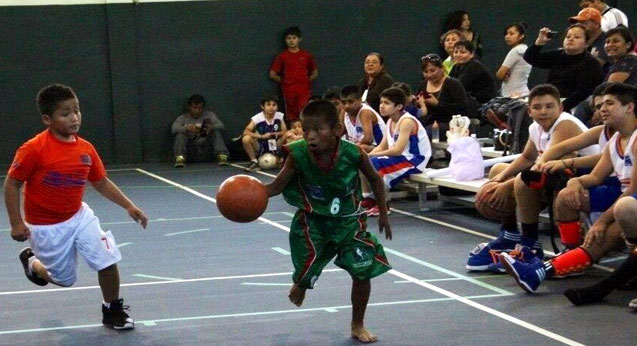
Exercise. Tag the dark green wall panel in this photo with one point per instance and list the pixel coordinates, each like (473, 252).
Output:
(134, 65)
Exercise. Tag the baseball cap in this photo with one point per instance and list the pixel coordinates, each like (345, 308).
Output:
(588, 13)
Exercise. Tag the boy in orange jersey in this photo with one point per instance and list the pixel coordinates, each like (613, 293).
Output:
(54, 167)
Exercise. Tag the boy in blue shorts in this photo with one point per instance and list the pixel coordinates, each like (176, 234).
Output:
(320, 177)
(54, 168)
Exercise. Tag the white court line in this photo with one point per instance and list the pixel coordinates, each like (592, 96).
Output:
(394, 272)
(188, 231)
(330, 309)
(152, 283)
(281, 251)
(119, 246)
(266, 284)
(156, 277)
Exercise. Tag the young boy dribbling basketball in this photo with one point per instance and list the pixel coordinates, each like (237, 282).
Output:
(320, 177)
(54, 167)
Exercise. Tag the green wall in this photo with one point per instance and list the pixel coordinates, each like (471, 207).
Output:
(133, 65)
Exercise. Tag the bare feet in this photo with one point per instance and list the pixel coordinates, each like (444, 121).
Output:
(363, 335)
(296, 295)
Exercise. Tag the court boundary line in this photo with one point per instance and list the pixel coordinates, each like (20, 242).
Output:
(434, 288)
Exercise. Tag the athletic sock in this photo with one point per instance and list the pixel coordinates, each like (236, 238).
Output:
(573, 261)
(569, 233)
(106, 305)
(529, 230)
(597, 292)
(30, 266)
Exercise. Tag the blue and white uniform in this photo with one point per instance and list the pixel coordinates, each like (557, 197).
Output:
(354, 131)
(412, 160)
(263, 126)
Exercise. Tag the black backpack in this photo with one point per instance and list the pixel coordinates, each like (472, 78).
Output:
(509, 115)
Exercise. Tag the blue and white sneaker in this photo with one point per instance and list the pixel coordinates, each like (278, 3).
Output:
(528, 275)
(522, 252)
(486, 254)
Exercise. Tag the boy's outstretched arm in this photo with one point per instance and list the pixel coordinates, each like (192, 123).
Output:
(285, 175)
(378, 187)
(19, 230)
(109, 190)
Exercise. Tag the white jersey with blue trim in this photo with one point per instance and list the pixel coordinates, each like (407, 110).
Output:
(542, 139)
(418, 149)
(622, 158)
(354, 131)
(604, 137)
(263, 125)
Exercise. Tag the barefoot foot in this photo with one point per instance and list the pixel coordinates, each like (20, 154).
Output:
(296, 295)
(363, 335)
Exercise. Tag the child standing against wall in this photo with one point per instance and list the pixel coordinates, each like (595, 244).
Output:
(295, 70)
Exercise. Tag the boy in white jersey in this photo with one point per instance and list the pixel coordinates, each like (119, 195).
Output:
(404, 150)
(363, 125)
(618, 110)
(550, 127)
(264, 133)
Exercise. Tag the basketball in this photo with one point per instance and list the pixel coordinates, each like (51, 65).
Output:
(487, 209)
(267, 161)
(242, 198)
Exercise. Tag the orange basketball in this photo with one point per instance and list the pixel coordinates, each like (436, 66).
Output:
(242, 198)
(487, 209)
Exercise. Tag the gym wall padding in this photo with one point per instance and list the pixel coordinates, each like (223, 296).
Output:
(133, 65)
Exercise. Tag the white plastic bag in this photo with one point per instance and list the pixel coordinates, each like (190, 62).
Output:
(466, 159)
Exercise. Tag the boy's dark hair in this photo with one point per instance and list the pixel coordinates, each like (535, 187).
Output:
(520, 27)
(464, 43)
(599, 90)
(544, 89)
(395, 95)
(49, 97)
(404, 87)
(293, 30)
(587, 35)
(321, 108)
(196, 99)
(333, 92)
(625, 93)
(350, 91)
(624, 33)
(267, 98)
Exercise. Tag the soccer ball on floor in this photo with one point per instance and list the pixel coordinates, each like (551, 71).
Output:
(268, 161)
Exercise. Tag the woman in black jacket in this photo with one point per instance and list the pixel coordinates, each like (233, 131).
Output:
(572, 70)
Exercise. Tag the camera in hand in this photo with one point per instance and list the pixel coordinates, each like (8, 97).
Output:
(551, 34)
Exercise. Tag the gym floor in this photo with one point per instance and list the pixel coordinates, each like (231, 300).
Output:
(195, 278)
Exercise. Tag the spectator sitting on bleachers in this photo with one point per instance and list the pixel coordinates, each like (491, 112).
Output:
(591, 19)
(611, 17)
(572, 70)
(376, 80)
(411, 106)
(550, 127)
(264, 132)
(619, 46)
(440, 97)
(404, 150)
(474, 76)
(448, 40)
(363, 125)
(460, 20)
(586, 194)
(514, 72)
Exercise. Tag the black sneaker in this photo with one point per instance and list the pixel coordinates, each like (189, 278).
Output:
(24, 256)
(115, 317)
(253, 166)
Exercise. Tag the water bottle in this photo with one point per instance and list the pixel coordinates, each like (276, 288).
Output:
(435, 132)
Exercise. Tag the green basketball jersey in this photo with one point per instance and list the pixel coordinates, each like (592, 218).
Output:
(336, 192)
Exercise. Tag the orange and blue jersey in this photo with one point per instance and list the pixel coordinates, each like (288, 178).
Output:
(55, 175)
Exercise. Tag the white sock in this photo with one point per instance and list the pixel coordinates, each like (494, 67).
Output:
(368, 195)
(30, 266)
(107, 305)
